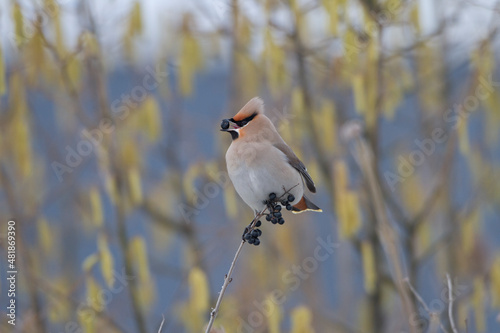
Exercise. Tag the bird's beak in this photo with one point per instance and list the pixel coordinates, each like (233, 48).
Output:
(228, 125)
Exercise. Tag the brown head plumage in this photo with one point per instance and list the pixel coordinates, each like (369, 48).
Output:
(255, 105)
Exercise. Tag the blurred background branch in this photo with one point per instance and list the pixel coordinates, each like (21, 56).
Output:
(112, 164)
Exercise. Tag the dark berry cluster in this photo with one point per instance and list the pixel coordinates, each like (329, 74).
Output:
(252, 237)
(274, 207)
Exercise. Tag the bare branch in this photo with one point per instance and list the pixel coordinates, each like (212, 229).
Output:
(419, 298)
(450, 304)
(228, 278)
(162, 322)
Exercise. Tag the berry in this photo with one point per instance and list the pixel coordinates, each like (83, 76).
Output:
(225, 124)
(289, 207)
(274, 221)
(277, 208)
(247, 236)
(259, 232)
(255, 233)
(251, 241)
(257, 242)
(281, 220)
(272, 196)
(258, 224)
(269, 217)
(291, 198)
(277, 214)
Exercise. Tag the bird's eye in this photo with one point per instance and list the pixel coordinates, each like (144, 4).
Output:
(244, 122)
(224, 124)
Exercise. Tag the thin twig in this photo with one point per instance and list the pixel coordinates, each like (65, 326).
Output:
(450, 304)
(421, 301)
(228, 278)
(162, 322)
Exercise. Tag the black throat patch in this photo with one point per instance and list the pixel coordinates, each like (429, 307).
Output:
(234, 135)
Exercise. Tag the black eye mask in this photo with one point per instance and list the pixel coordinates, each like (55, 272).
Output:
(245, 121)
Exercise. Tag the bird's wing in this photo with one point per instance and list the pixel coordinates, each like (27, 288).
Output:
(297, 164)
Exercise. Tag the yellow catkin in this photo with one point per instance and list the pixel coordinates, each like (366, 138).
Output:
(74, 70)
(146, 294)
(301, 320)
(462, 315)
(341, 175)
(135, 187)
(111, 188)
(87, 324)
(23, 146)
(59, 35)
(134, 28)
(95, 206)
(188, 180)
(364, 316)
(430, 75)
(190, 61)
(495, 282)
(353, 213)
(469, 231)
(275, 316)
(298, 102)
(285, 241)
(248, 74)
(370, 273)
(346, 202)
(424, 234)
(45, 239)
(138, 253)
(395, 78)
(90, 262)
(193, 311)
(358, 87)
(415, 17)
(328, 126)
(412, 194)
(275, 67)
(136, 19)
(478, 299)
(19, 128)
(212, 170)
(59, 309)
(106, 260)
(18, 19)
(93, 294)
(371, 93)
(150, 112)
(483, 59)
(230, 202)
(331, 8)
(199, 291)
(35, 56)
(463, 136)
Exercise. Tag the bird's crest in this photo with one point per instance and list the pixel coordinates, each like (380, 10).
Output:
(255, 105)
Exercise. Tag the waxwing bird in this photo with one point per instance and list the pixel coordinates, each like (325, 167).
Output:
(259, 162)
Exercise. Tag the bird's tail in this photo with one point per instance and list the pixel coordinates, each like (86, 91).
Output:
(305, 205)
